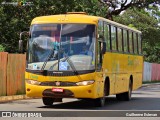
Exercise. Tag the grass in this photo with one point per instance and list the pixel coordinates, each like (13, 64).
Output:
(151, 82)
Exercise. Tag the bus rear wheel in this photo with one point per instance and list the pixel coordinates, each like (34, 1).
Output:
(48, 101)
(127, 95)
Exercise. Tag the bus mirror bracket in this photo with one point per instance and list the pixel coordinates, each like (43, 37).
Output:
(20, 46)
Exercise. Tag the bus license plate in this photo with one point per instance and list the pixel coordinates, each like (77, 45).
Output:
(57, 89)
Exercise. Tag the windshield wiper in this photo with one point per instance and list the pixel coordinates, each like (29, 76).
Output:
(52, 52)
(73, 67)
(48, 58)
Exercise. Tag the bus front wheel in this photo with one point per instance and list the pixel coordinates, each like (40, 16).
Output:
(48, 101)
(100, 102)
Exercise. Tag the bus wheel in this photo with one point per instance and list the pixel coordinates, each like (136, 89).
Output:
(48, 101)
(127, 95)
(100, 102)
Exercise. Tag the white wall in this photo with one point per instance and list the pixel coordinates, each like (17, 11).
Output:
(147, 71)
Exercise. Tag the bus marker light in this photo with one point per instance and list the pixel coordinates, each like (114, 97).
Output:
(28, 89)
(89, 91)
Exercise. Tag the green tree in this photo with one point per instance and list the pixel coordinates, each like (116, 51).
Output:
(115, 7)
(2, 49)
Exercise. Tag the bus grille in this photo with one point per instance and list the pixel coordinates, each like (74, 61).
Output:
(61, 74)
(60, 84)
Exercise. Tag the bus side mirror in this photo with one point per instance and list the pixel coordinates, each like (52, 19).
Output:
(20, 46)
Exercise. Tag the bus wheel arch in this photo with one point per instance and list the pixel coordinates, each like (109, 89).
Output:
(100, 102)
(107, 86)
(131, 80)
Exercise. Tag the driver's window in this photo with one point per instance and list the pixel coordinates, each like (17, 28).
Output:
(99, 44)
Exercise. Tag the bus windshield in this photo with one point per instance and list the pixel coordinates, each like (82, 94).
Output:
(55, 44)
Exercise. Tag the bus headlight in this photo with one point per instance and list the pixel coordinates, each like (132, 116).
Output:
(83, 83)
(33, 82)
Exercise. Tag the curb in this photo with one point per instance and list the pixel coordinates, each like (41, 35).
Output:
(11, 98)
(148, 84)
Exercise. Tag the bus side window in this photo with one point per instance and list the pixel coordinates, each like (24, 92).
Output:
(135, 42)
(101, 51)
(107, 36)
(99, 45)
(119, 32)
(100, 28)
(125, 41)
(113, 38)
(130, 42)
(139, 44)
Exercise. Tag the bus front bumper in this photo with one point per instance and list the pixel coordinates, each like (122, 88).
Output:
(87, 91)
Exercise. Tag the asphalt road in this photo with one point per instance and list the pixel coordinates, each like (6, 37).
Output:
(146, 98)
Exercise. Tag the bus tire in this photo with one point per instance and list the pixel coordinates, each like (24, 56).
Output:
(100, 102)
(48, 101)
(127, 95)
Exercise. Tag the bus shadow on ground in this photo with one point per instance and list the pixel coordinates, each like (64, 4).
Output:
(86, 105)
(136, 103)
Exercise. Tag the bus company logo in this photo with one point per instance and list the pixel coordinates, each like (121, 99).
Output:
(58, 83)
(21, 114)
(6, 114)
(19, 3)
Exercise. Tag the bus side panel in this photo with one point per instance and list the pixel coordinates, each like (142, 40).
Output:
(133, 66)
(138, 72)
(119, 68)
(113, 68)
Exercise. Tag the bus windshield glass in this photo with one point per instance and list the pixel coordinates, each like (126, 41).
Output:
(55, 44)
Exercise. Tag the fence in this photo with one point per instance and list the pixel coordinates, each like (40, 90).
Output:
(151, 72)
(12, 72)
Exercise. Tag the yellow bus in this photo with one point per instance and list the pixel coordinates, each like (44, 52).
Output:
(76, 55)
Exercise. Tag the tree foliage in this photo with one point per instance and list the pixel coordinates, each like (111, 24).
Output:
(115, 7)
(2, 49)
(15, 19)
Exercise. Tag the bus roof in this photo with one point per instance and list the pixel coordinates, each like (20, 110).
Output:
(66, 18)
(76, 17)
(119, 25)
